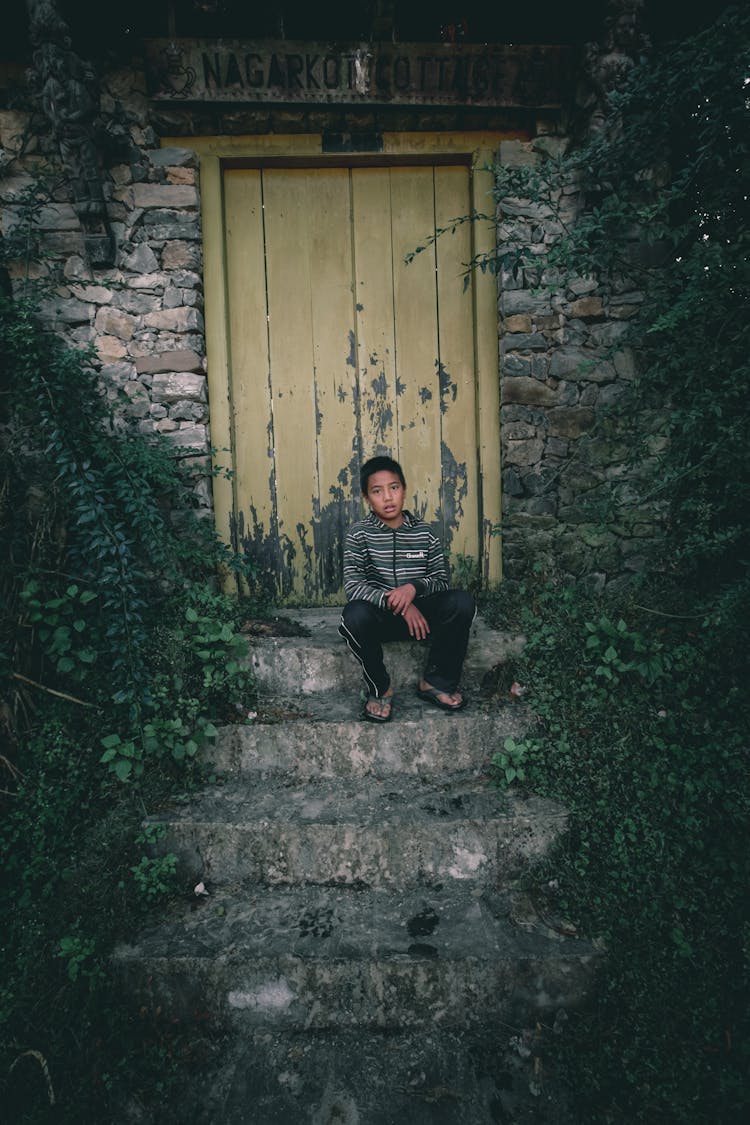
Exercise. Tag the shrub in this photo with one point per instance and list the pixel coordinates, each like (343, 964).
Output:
(117, 657)
(642, 733)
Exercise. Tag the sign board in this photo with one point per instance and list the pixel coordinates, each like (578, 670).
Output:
(419, 74)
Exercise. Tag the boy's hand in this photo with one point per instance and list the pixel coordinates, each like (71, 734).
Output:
(402, 597)
(416, 621)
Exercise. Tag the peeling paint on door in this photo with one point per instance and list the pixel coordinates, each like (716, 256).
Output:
(338, 350)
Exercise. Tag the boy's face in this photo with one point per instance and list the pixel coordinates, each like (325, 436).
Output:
(385, 495)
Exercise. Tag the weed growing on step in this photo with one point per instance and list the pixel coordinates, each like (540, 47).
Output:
(642, 733)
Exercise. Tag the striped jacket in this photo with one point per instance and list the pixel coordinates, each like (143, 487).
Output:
(378, 558)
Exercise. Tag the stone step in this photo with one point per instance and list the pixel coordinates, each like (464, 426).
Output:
(374, 831)
(324, 735)
(306, 958)
(320, 661)
(371, 1077)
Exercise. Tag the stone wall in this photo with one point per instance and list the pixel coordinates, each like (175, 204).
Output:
(562, 373)
(567, 431)
(144, 316)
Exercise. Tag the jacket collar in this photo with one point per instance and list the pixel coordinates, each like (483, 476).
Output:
(409, 521)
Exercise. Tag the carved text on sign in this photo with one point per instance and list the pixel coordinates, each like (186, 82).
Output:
(420, 74)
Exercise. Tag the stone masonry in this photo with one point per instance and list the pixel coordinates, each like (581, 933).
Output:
(144, 316)
(563, 377)
(565, 381)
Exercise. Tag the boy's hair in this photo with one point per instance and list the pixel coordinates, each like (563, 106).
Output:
(379, 465)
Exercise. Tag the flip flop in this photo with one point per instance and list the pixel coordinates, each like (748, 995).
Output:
(430, 695)
(368, 715)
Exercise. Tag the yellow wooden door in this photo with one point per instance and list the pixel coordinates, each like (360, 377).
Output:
(339, 350)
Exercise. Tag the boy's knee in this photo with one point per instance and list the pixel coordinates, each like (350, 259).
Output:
(358, 615)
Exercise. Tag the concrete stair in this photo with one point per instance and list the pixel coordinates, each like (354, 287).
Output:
(360, 832)
(321, 957)
(363, 903)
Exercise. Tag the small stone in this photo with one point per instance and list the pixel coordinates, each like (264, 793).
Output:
(174, 197)
(176, 386)
(182, 176)
(556, 447)
(624, 362)
(570, 422)
(13, 125)
(114, 322)
(527, 391)
(190, 436)
(110, 349)
(605, 334)
(180, 255)
(155, 281)
(162, 226)
(137, 303)
(523, 452)
(518, 323)
(587, 307)
(118, 373)
(612, 393)
(522, 301)
(579, 286)
(171, 155)
(187, 279)
(187, 411)
(68, 310)
(514, 364)
(175, 320)
(512, 485)
(172, 298)
(523, 342)
(580, 363)
(142, 260)
(169, 361)
(81, 337)
(94, 293)
(121, 175)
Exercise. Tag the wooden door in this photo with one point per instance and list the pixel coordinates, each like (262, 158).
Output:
(339, 349)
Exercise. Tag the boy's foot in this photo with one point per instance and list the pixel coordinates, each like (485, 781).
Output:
(378, 708)
(445, 700)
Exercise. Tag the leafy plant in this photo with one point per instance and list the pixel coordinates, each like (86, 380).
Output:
(642, 734)
(509, 762)
(155, 876)
(641, 695)
(77, 952)
(61, 623)
(117, 659)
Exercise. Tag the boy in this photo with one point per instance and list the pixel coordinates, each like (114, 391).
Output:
(397, 587)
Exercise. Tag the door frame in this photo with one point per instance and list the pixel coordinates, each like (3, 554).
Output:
(478, 150)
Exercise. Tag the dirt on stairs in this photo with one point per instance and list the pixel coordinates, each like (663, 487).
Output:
(363, 956)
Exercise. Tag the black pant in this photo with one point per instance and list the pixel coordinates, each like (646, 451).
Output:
(449, 614)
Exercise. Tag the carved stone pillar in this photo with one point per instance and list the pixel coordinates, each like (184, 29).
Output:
(67, 93)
